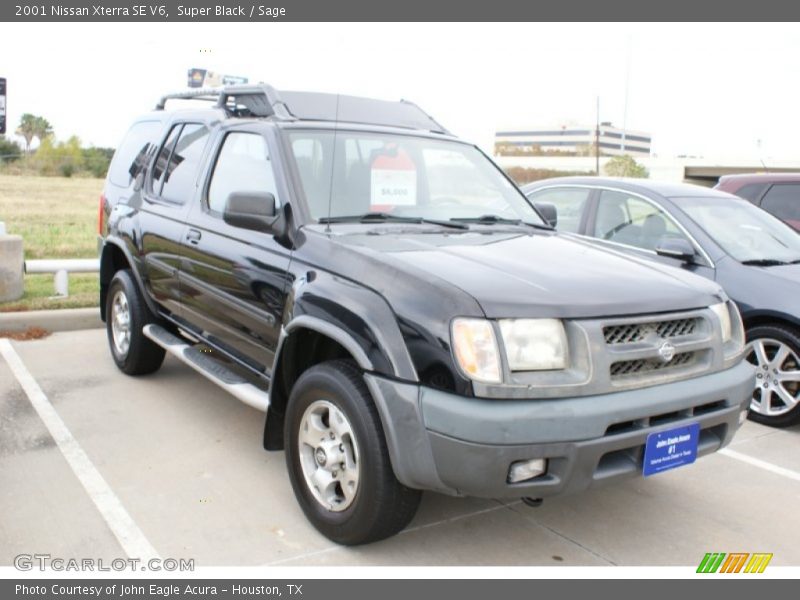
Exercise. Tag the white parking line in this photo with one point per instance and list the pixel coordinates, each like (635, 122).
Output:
(329, 549)
(762, 464)
(130, 537)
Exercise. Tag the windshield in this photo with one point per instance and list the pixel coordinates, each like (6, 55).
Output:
(350, 174)
(744, 231)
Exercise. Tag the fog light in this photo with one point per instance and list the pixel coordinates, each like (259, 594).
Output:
(523, 470)
(743, 417)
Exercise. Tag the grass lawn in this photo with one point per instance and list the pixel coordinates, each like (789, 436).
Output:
(57, 218)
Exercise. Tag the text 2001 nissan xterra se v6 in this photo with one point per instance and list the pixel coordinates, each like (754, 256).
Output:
(405, 317)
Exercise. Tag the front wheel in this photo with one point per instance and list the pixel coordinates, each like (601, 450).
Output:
(338, 461)
(775, 352)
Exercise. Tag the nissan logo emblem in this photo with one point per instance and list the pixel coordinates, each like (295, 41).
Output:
(666, 352)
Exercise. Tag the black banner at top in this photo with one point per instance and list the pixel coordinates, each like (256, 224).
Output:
(394, 10)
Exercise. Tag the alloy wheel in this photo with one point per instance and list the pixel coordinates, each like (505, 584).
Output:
(329, 455)
(777, 388)
(121, 323)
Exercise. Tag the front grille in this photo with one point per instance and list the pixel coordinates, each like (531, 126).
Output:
(639, 366)
(638, 332)
(666, 418)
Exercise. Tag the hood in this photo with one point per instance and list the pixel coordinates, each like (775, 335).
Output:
(761, 289)
(787, 274)
(542, 274)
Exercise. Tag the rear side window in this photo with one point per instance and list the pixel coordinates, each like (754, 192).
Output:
(569, 202)
(131, 156)
(783, 201)
(184, 163)
(178, 162)
(243, 165)
(751, 191)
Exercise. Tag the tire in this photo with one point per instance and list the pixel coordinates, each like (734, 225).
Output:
(139, 355)
(378, 506)
(777, 348)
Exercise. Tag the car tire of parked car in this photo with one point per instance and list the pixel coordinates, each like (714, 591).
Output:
(338, 460)
(775, 352)
(126, 315)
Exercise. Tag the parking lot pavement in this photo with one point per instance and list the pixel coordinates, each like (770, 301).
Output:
(185, 463)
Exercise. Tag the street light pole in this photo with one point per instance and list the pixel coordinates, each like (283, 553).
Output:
(627, 87)
(597, 140)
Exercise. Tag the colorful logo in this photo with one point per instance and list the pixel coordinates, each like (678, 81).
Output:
(735, 562)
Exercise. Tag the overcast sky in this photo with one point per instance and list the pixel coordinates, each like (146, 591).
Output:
(705, 89)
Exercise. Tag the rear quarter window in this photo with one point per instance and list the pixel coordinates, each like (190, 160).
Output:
(130, 157)
(783, 201)
(750, 191)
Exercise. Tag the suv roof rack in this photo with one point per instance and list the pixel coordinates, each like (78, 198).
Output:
(262, 101)
(237, 100)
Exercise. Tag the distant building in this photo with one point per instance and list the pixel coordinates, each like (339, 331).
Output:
(571, 140)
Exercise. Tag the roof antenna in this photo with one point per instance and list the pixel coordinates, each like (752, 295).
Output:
(760, 157)
(333, 165)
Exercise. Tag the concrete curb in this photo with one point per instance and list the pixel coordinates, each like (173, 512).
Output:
(67, 319)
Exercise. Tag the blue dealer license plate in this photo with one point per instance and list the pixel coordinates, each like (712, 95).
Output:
(666, 450)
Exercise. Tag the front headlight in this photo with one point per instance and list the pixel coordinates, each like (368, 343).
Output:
(724, 316)
(737, 326)
(731, 323)
(476, 351)
(534, 344)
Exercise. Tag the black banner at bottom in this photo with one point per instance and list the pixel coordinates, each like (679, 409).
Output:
(385, 589)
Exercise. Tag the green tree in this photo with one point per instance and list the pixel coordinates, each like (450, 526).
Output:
(625, 166)
(71, 157)
(32, 126)
(96, 160)
(27, 129)
(63, 158)
(9, 150)
(42, 129)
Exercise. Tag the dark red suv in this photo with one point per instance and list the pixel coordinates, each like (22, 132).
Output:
(777, 193)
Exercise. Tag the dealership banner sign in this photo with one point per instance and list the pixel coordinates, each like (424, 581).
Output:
(69, 588)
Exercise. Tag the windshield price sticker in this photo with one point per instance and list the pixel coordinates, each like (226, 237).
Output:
(394, 186)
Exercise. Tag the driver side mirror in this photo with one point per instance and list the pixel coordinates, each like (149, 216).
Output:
(677, 248)
(253, 210)
(548, 211)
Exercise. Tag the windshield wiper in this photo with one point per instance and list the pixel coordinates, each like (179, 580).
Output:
(767, 262)
(495, 219)
(384, 217)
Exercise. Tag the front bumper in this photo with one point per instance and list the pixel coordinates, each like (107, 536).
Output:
(464, 446)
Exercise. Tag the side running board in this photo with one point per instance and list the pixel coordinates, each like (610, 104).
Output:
(231, 382)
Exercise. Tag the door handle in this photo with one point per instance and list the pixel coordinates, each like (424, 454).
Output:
(193, 235)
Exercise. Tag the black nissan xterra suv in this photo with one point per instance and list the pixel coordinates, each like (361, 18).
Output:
(405, 317)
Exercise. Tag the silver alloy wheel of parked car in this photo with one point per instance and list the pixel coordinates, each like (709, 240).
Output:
(777, 377)
(329, 455)
(121, 323)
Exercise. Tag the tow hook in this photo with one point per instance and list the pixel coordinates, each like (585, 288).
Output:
(532, 502)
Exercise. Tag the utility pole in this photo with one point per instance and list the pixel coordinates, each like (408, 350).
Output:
(627, 86)
(597, 140)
